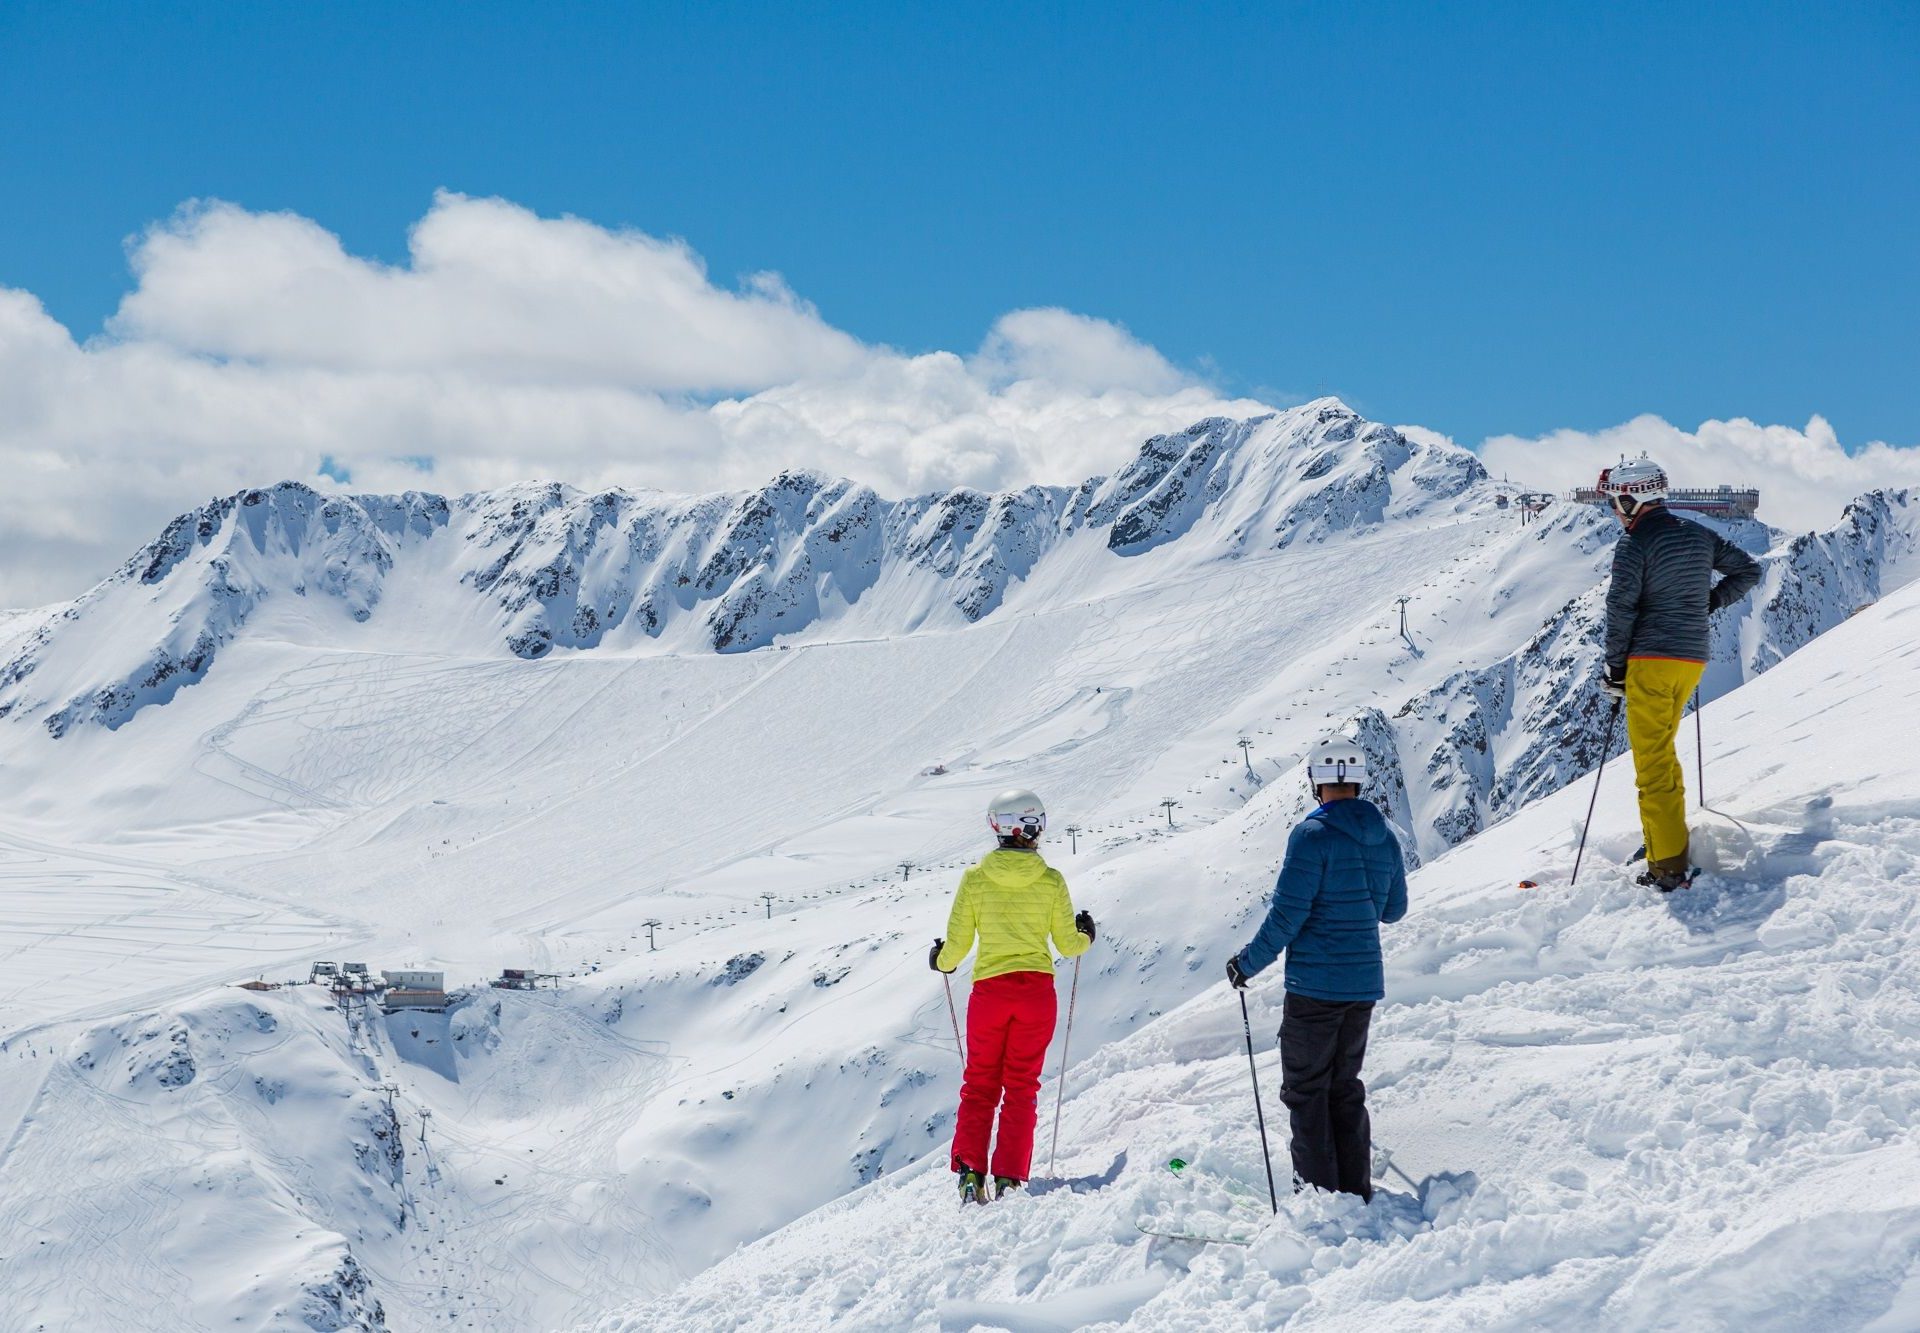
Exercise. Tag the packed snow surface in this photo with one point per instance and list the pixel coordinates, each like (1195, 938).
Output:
(382, 728)
(1623, 1111)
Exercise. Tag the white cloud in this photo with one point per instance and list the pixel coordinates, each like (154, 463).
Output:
(1805, 477)
(1071, 351)
(490, 289)
(924, 422)
(254, 347)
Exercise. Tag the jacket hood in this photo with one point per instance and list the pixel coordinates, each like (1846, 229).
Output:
(1014, 869)
(1359, 819)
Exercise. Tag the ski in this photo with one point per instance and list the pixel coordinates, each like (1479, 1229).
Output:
(1228, 1183)
(1146, 1230)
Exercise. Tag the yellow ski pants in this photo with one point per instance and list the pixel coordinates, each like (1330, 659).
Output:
(1657, 690)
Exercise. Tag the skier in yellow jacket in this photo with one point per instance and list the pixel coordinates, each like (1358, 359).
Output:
(1013, 902)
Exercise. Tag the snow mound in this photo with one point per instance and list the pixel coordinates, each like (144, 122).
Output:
(1623, 1110)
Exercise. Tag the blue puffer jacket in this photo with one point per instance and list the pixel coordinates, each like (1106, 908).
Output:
(1343, 876)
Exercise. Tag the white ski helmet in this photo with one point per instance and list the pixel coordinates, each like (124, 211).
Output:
(1337, 759)
(1017, 812)
(1639, 480)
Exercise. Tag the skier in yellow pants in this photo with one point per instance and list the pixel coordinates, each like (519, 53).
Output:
(1657, 693)
(1658, 606)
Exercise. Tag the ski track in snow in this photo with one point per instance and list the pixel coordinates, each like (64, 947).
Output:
(68, 916)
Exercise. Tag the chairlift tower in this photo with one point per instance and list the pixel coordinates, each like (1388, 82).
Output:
(767, 898)
(1246, 753)
(1073, 837)
(651, 926)
(1168, 805)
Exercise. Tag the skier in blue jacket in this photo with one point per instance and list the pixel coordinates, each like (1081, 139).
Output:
(1343, 876)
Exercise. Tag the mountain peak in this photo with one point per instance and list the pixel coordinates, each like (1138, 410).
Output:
(561, 568)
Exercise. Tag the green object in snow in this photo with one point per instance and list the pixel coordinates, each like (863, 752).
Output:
(1177, 1165)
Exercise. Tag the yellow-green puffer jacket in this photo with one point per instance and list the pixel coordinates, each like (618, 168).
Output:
(1013, 901)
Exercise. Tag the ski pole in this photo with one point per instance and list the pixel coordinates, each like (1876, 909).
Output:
(1060, 1092)
(1700, 765)
(954, 1014)
(1266, 1153)
(1700, 753)
(1612, 718)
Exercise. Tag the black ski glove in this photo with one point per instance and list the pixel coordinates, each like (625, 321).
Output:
(933, 956)
(1235, 977)
(1616, 683)
(1083, 922)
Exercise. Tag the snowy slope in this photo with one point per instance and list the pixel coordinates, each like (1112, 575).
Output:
(16, 625)
(1685, 1113)
(186, 1238)
(308, 1168)
(601, 792)
(404, 787)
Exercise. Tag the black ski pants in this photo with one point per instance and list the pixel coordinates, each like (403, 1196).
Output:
(1322, 1044)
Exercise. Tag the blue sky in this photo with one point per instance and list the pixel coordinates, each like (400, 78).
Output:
(391, 246)
(1502, 218)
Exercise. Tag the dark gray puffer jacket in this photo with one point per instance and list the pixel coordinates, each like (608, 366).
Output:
(1663, 588)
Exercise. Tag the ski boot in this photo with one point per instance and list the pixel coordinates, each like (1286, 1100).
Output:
(1005, 1185)
(1666, 881)
(973, 1186)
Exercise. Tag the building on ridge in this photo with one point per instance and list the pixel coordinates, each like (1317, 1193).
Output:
(414, 988)
(1713, 501)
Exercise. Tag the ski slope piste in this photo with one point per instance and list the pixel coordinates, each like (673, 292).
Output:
(1622, 1110)
(541, 729)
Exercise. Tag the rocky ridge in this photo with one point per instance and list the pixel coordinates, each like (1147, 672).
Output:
(545, 566)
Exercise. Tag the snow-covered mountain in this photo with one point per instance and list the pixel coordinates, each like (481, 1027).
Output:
(542, 566)
(376, 761)
(537, 567)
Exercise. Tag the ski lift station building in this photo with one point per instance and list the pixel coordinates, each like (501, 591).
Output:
(414, 988)
(1717, 501)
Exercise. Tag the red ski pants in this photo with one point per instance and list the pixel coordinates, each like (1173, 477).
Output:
(1009, 1024)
